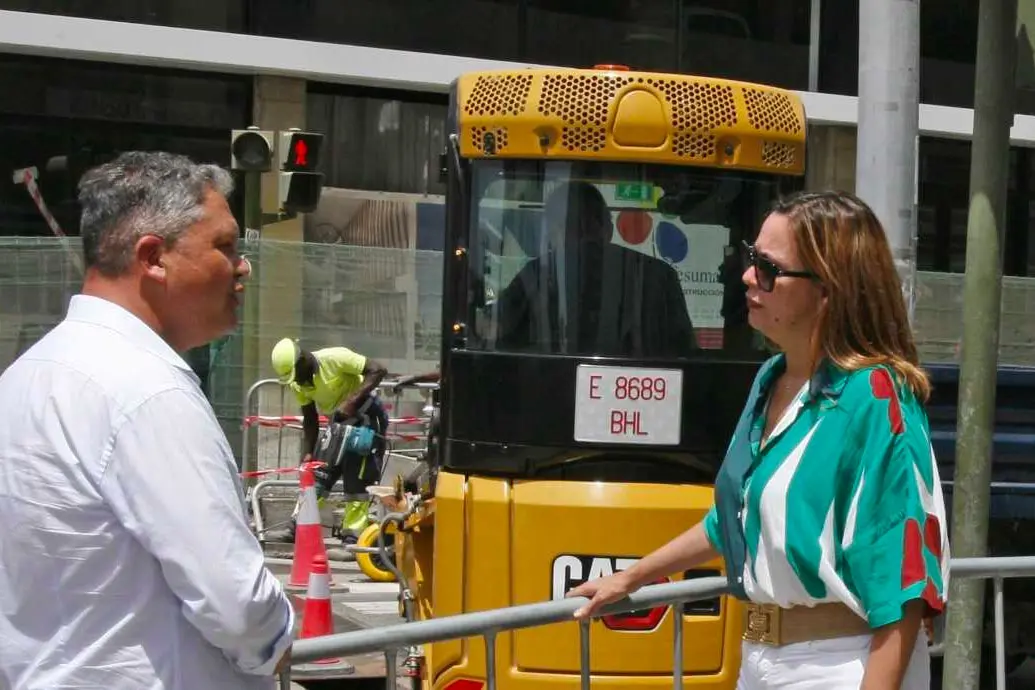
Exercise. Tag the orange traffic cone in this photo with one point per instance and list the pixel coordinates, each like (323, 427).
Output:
(308, 532)
(316, 613)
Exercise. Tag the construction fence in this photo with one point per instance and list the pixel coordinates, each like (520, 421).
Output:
(383, 302)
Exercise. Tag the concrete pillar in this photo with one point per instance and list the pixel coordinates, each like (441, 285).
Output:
(831, 158)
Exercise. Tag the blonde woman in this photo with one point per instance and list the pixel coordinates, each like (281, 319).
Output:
(829, 514)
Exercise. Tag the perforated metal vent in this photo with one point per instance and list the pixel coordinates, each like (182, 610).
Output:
(771, 111)
(696, 146)
(777, 154)
(583, 102)
(542, 113)
(478, 138)
(496, 94)
(697, 107)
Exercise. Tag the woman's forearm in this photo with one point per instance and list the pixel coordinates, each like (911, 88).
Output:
(891, 649)
(688, 550)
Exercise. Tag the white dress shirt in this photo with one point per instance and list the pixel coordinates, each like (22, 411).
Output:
(126, 560)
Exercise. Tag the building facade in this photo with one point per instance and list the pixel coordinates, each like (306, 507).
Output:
(85, 78)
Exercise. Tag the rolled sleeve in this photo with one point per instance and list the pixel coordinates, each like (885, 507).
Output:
(170, 480)
(711, 529)
(897, 549)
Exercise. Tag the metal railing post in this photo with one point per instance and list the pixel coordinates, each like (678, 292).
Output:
(584, 674)
(246, 428)
(490, 659)
(677, 648)
(1000, 635)
(390, 660)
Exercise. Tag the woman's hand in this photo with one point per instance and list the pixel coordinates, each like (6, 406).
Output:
(601, 592)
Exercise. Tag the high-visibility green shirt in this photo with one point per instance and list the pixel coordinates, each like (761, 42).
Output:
(842, 503)
(339, 373)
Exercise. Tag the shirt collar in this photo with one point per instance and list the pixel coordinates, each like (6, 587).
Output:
(828, 381)
(102, 312)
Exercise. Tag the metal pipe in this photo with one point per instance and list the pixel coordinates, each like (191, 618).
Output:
(513, 618)
(280, 429)
(390, 657)
(399, 519)
(544, 613)
(256, 508)
(584, 674)
(1000, 636)
(814, 36)
(490, 659)
(677, 648)
(245, 428)
(998, 566)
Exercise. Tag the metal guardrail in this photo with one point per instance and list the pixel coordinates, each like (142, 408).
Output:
(487, 624)
(250, 406)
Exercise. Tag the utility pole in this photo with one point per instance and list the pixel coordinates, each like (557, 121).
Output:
(889, 114)
(989, 160)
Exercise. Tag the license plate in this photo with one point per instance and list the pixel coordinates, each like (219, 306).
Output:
(628, 405)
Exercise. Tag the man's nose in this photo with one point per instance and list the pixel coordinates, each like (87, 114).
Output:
(244, 267)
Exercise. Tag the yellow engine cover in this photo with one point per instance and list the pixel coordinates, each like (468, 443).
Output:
(498, 543)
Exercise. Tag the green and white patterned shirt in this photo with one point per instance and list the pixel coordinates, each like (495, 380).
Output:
(842, 503)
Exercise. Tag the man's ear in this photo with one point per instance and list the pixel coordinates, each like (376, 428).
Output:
(149, 254)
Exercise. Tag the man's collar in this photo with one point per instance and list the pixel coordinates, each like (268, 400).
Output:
(96, 310)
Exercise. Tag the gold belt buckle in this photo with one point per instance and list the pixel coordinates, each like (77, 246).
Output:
(762, 624)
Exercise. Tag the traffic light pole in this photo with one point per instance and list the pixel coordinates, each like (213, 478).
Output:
(982, 285)
(253, 232)
(253, 203)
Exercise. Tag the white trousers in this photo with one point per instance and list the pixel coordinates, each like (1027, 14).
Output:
(836, 664)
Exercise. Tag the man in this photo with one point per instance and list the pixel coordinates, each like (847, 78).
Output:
(126, 558)
(337, 382)
(618, 301)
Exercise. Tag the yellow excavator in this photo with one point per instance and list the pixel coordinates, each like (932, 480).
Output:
(595, 358)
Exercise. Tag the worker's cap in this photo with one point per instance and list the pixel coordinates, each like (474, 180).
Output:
(285, 354)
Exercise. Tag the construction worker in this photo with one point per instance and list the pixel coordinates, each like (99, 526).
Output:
(337, 382)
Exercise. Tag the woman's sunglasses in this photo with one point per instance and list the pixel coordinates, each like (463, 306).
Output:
(766, 272)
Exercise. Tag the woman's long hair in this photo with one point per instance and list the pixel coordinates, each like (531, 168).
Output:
(864, 321)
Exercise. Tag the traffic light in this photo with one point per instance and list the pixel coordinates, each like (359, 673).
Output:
(251, 150)
(300, 184)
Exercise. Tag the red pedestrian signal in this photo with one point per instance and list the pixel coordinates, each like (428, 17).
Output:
(300, 153)
(300, 183)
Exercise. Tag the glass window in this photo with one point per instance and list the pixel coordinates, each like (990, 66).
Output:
(943, 207)
(641, 34)
(379, 143)
(948, 50)
(221, 15)
(764, 42)
(474, 28)
(94, 91)
(71, 115)
(615, 259)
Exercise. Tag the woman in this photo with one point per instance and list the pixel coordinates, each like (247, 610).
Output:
(829, 514)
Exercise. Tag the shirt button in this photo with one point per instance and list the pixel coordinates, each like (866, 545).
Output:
(740, 580)
(740, 514)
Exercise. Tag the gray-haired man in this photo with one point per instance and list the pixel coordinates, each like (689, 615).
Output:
(126, 559)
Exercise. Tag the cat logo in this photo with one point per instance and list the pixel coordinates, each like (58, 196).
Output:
(569, 571)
